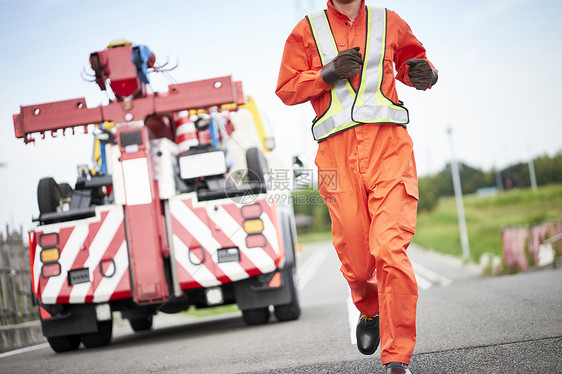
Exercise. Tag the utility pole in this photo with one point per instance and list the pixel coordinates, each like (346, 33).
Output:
(458, 197)
(532, 174)
(499, 183)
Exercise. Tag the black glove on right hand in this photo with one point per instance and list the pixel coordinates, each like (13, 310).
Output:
(421, 74)
(347, 64)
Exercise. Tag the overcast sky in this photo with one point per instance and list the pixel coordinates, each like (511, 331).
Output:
(499, 82)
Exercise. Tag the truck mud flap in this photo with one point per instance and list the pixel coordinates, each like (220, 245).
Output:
(77, 319)
(251, 293)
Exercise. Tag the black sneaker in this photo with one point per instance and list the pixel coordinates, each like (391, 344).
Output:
(368, 336)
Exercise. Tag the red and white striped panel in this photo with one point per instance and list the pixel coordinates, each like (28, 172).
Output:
(85, 244)
(201, 228)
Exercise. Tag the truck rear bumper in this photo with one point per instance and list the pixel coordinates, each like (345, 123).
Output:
(76, 319)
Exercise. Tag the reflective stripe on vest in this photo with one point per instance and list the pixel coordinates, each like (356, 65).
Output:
(347, 108)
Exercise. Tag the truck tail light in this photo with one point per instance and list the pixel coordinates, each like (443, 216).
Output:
(251, 211)
(253, 226)
(49, 240)
(50, 255)
(50, 270)
(256, 240)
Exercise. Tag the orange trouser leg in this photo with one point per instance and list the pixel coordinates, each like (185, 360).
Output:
(373, 209)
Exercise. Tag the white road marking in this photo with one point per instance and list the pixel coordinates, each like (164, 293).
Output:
(23, 350)
(423, 284)
(311, 266)
(430, 275)
(352, 318)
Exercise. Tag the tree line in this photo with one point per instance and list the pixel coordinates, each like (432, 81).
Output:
(548, 170)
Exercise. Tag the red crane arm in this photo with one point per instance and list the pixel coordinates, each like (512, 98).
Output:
(66, 114)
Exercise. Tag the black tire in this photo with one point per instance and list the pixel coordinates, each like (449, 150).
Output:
(291, 311)
(48, 195)
(100, 338)
(65, 190)
(61, 344)
(288, 312)
(258, 316)
(141, 324)
(256, 164)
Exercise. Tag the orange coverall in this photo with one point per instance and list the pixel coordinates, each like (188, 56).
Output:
(373, 207)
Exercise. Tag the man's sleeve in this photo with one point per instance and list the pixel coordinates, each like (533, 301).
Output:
(407, 47)
(299, 81)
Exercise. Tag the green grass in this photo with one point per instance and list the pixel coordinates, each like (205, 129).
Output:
(315, 237)
(205, 312)
(485, 218)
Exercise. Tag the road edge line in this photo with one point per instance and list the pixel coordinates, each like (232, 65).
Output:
(23, 350)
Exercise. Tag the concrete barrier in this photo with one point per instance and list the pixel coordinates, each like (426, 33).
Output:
(20, 335)
(524, 246)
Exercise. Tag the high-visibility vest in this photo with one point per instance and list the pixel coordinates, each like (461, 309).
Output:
(349, 108)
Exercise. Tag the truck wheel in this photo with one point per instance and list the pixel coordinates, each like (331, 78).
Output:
(288, 312)
(100, 338)
(141, 324)
(64, 343)
(48, 195)
(258, 316)
(291, 311)
(257, 165)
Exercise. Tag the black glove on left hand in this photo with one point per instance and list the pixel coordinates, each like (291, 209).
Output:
(421, 74)
(347, 64)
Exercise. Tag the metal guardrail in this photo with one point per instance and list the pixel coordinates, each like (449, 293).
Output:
(16, 303)
(553, 239)
(528, 246)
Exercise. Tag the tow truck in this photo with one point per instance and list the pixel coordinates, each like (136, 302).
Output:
(177, 210)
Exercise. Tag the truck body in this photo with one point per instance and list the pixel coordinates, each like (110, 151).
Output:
(164, 221)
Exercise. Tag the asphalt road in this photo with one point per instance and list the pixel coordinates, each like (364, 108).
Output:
(466, 324)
